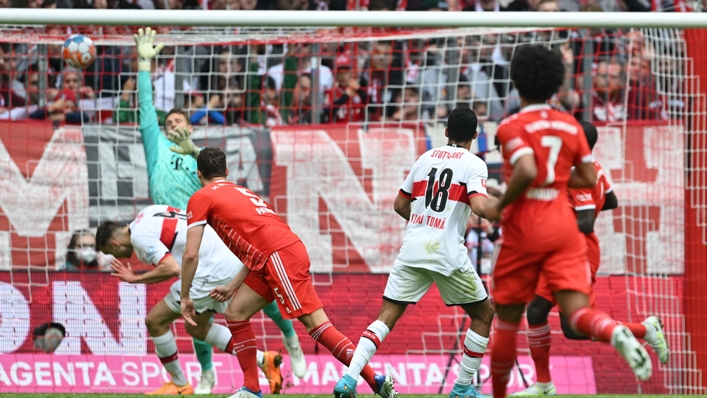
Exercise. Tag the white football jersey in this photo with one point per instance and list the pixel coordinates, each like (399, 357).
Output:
(440, 185)
(160, 231)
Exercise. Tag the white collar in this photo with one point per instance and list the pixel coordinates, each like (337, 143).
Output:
(535, 107)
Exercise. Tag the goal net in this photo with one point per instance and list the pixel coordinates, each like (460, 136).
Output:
(325, 123)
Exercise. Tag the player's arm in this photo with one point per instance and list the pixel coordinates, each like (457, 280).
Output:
(223, 293)
(583, 176)
(190, 259)
(585, 221)
(480, 205)
(403, 206)
(611, 202)
(149, 126)
(524, 173)
(165, 270)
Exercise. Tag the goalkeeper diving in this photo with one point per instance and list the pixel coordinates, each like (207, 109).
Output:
(171, 171)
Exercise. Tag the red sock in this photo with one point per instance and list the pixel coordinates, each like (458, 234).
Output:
(242, 345)
(638, 329)
(593, 323)
(539, 340)
(342, 348)
(503, 353)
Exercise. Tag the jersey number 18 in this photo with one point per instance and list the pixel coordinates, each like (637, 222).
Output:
(437, 201)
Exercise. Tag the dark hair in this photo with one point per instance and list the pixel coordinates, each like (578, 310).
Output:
(211, 162)
(178, 111)
(380, 5)
(71, 257)
(537, 72)
(591, 133)
(104, 232)
(461, 125)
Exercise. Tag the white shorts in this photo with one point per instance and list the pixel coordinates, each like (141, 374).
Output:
(202, 302)
(408, 284)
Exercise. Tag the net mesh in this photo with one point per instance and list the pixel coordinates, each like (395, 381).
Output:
(325, 123)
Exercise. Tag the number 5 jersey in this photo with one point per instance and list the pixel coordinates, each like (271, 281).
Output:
(440, 185)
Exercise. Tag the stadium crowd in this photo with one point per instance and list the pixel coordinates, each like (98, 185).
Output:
(611, 75)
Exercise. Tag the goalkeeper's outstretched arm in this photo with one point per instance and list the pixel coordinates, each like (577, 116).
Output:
(149, 127)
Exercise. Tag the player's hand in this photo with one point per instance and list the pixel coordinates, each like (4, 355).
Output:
(124, 272)
(185, 146)
(222, 293)
(146, 48)
(188, 312)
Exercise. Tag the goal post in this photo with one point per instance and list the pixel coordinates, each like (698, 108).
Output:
(333, 171)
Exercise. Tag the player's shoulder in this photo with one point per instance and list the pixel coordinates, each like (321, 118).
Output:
(147, 214)
(510, 119)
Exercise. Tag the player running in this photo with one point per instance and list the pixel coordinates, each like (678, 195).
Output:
(157, 236)
(540, 145)
(437, 197)
(587, 203)
(276, 266)
(172, 175)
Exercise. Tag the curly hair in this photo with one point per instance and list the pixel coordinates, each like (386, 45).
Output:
(537, 72)
(461, 125)
(211, 162)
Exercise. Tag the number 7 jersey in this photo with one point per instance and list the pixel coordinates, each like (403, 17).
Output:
(440, 185)
(541, 218)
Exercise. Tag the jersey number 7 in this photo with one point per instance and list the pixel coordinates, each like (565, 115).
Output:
(437, 201)
(555, 144)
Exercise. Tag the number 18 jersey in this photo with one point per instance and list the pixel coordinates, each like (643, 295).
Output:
(440, 185)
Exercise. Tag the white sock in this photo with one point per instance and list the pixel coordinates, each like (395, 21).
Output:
(260, 357)
(367, 346)
(219, 336)
(474, 349)
(166, 349)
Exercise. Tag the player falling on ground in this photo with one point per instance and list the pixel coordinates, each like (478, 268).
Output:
(540, 235)
(276, 266)
(157, 236)
(587, 203)
(437, 197)
(172, 175)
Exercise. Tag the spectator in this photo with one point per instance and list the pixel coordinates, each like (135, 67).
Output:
(483, 6)
(4, 3)
(81, 254)
(548, 6)
(607, 97)
(408, 105)
(643, 100)
(208, 111)
(8, 97)
(434, 5)
(64, 103)
(433, 80)
(382, 73)
(128, 107)
(523, 5)
(474, 68)
(347, 100)
(302, 54)
(301, 105)
(263, 99)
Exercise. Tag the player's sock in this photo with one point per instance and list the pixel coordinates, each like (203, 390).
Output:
(285, 325)
(243, 345)
(503, 352)
(341, 347)
(219, 336)
(539, 339)
(204, 353)
(367, 347)
(593, 323)
(166, 350)
(474, 349)
(637, 329)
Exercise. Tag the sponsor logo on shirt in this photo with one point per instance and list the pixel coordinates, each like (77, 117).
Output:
(584, 197)
(483, 182)
(543, 194)
(189, 216)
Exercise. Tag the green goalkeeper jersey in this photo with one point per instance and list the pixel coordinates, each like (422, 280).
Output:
(172, 176)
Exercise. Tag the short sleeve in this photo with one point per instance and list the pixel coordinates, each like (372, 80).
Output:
(148, 247)
(605, 180)
(513, 143)
(198, 209)
(582, 199)
(406, 189)
(476, 182)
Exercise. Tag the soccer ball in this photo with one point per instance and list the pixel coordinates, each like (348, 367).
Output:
(79, 51)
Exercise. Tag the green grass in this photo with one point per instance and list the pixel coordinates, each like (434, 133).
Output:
(10, 395)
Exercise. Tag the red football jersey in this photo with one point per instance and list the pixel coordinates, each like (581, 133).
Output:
(245, 222)
(592, 198)
(557, 142)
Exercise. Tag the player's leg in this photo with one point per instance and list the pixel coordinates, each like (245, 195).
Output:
(465, 289)
(158, 323)
(290, 339)
(204, 354)
(539, 340)
(250, 298)
(514, 277)
(287, 272)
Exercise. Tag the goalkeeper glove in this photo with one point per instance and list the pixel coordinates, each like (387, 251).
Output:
(185, 146)
(146, 49)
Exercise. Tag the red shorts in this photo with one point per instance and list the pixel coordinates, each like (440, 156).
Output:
(517, 271)
(594, 257)
(286, 277)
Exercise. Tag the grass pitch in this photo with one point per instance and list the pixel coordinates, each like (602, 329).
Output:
(10, 395)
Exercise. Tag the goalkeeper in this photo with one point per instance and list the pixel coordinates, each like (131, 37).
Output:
(171, 172)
